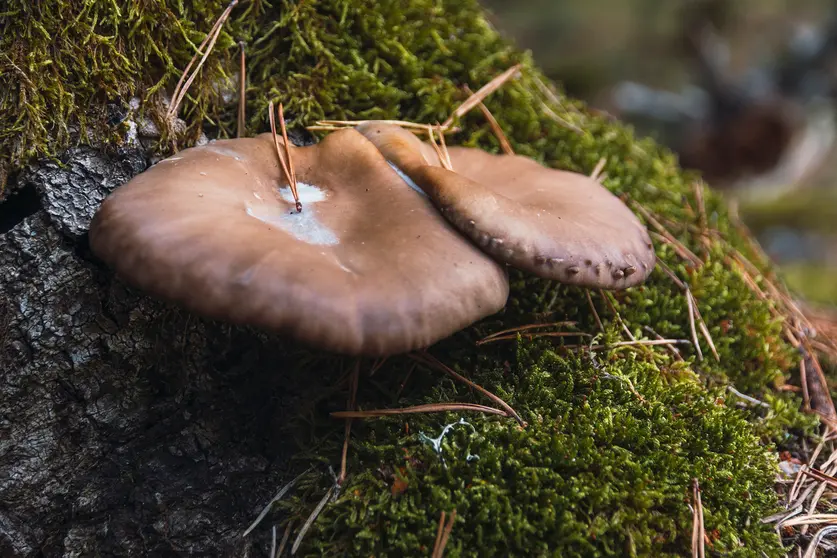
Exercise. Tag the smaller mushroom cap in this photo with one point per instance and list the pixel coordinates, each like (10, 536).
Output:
(368, 267)
(551, 223)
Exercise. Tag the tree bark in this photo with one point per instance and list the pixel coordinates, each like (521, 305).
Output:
(127, 426)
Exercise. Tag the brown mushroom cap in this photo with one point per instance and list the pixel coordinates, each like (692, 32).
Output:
(368, 267)
(551, 223)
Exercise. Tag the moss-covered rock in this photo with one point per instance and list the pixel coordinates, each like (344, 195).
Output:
(615, 436)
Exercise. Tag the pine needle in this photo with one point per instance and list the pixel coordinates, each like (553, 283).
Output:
(523, 328)
(690, 303)
(282, 162)
(242, 94)
(339, 124)
(182, 86)
(444, 156)
(439, 531)
(593, 308)
(279, 496)
(442, 536)
(598, 169)
(353, 382)
(698, 531)
(534, 335)
(290, 160)
(429, 408)
(481, 94)
(311, 519)
(495, 126)
(429, 359)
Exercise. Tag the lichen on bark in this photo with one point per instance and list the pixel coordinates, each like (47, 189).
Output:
(613, 440)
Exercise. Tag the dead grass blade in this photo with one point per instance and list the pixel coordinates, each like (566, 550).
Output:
(703, 329)
(445, 151)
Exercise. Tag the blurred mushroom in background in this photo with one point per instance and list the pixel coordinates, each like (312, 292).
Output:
(758, 132)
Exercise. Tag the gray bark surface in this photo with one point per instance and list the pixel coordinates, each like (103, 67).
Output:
(128, 427)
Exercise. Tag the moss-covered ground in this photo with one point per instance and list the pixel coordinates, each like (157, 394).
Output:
(614, 436)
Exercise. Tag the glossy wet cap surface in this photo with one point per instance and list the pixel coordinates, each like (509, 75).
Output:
(368, 267)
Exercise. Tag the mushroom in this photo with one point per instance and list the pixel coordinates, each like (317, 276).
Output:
(368, 267)
(551, 223)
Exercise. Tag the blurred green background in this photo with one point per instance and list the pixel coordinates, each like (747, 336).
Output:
(594, 47)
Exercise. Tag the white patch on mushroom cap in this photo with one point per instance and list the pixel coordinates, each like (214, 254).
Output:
(307, 193)
(407, 179)
(303, 226)
(226, 152)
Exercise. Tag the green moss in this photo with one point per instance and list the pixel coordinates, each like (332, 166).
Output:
(598, 471)
(606, 463)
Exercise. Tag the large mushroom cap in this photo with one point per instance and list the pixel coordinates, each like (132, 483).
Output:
(551, 223)
(368, 267)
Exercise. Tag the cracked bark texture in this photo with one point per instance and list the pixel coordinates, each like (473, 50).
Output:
(127, 426)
